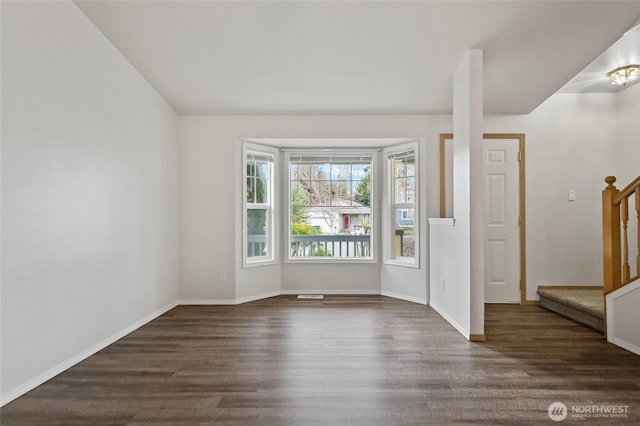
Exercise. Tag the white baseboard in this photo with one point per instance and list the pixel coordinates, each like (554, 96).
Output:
(624, 344)
(406, 298)
(450, 320)
(242, 300)
(333, 292)
(206, 302)
(238, 301)
(65, 365)
(267, 295)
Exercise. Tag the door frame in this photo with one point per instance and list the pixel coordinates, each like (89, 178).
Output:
(520, 137)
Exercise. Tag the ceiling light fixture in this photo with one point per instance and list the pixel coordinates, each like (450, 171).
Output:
(624, 75)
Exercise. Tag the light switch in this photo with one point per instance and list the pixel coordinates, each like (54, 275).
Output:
(572, 195)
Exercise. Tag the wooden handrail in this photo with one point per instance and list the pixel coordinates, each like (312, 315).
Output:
(628, 190)
(615, 238)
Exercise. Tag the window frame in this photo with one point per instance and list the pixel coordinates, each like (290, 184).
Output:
(390, 206)
(271, 257)
(374, 232)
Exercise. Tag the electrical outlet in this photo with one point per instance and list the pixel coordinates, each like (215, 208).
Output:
(223, 275)
(572, 195)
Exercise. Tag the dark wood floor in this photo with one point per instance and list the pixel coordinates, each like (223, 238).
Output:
(341, 361)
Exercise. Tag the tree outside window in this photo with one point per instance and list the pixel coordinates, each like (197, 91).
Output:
(330, 196)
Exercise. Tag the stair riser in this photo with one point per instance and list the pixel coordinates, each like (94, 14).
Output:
(579, 316)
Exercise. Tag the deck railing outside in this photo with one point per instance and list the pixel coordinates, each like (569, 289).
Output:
(256, 245)
(324, 245)
(331, 245)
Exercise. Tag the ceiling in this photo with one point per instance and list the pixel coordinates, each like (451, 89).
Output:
(393, 57)
(593, 79)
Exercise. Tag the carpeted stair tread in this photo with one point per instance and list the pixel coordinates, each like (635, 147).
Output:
(591, 301)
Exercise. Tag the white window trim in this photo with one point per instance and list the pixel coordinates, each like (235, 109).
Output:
(272, 233)
(388, 216)
(373, 152)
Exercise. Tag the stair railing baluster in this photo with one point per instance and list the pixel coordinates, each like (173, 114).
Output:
(615, 244)
(626, 270)
(638, 228)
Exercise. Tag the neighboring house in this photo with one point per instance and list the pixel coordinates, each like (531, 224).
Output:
(342, 218)
(405, 218)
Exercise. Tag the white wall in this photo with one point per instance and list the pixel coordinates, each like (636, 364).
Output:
(628, 155)
(211, 225)
(628, 159)
(622, 304)
(89, 187)
(570, 144)
(207, 230)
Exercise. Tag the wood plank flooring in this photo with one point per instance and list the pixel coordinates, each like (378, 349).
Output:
(361, 360)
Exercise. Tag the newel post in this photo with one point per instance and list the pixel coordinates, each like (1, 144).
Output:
(611, 237)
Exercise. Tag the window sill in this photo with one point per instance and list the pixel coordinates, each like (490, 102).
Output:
(403, 263)
(329, 260)
(259, 263)
(442, 221)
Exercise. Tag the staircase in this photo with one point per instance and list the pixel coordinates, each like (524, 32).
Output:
(621, 290)
(582, 304)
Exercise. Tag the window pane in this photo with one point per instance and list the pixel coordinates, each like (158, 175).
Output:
(400, 190)
(299, 193)
(257, 226)
(300, 171)
(340, 171)
(340, 193)
(293, 171)
(361, 171)
(330, 206)
(258, 178)
(361, 185)
(262, 191)
(405, 241)
(263, 170)
(400, 169)
(411, 190)
(411, 167)
(251, 190)
(251, 168)
(320, 171)
(320, 193)
(404, 218)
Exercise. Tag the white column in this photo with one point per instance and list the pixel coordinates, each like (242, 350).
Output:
(468, 180)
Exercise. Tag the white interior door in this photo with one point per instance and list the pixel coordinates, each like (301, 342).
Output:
(502, 227)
